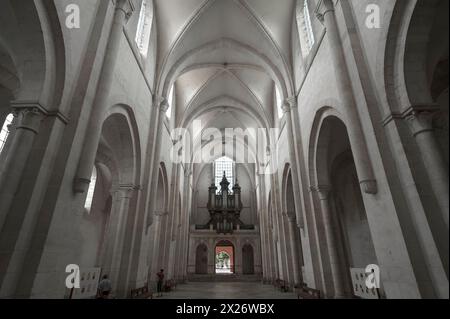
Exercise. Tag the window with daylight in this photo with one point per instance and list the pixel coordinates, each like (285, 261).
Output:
(5, 131)
(144, 28)
(279, 101)
(170, 102)
(91, 191)
(308, 26)
(221, 165)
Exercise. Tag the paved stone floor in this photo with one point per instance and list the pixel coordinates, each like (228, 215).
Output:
(226, 290)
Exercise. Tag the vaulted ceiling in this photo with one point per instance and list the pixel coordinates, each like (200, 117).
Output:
(225, 58)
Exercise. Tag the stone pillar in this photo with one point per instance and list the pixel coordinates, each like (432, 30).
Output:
(238, 260)
(420, 121)
(289, 105)
(332, 240)
(122, 12)
(211, 257)
(294, 249)
(274, 248)
(184, 242)
(117, 229)
(156, 258)
(264, 248)
(27, 123)
(344, 87)
(162, 106)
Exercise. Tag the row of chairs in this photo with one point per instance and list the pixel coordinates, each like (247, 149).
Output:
(281, 285)
(141, 293)
(145, 293)
(302, 292)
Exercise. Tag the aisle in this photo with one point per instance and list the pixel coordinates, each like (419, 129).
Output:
(226, 290)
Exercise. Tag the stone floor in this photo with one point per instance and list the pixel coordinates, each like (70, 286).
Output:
(226, 290)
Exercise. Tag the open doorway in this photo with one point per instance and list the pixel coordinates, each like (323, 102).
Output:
(225, 258)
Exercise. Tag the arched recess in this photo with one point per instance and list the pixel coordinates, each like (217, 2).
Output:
(248, 260)
(417, 83)
(277, 271)
(346, 230)
(427, 64)
(96, 215)
(201, 260)
(416, 60)
(117, 167)
(32, 37)
(32, 58)
(290, 209)
(154, 234)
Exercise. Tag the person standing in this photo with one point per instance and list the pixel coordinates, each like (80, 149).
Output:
(104, 288)
(160, 276)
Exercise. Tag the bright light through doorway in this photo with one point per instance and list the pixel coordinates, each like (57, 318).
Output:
(224, 260)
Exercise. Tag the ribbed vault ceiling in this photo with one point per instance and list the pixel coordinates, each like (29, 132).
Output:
(225, 57)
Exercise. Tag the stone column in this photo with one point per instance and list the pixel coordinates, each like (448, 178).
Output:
(264, 248)
(185, 225)
(344, 87)
(156, 258)
(420, 121)
(122, 12)
(238, 258)
(332, 240)
(289, 107)
(162, 106)
(123, 197)
(294, 249)
(211, 257)
(163, 241)
(273, 241)
(27, 123)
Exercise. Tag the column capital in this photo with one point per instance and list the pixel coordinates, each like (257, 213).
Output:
(28, 115)
(324, 7)
(126, 6)
(323, 191)
(161, 102)
(420, 118)
(81, 185)
(125, 190)
(289, 104)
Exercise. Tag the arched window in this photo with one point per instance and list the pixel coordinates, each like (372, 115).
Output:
(91, 190)
(144, 28)
(221, 165)
(305, 27)
(5, 131)
(279, 101)
(170, 102)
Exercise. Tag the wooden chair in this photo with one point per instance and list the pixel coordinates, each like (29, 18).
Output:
(141, 293)
(308, 293)
(281, 285)
(170, 285)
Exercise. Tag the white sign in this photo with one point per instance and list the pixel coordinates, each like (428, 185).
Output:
(363, 286)
(88, 284)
